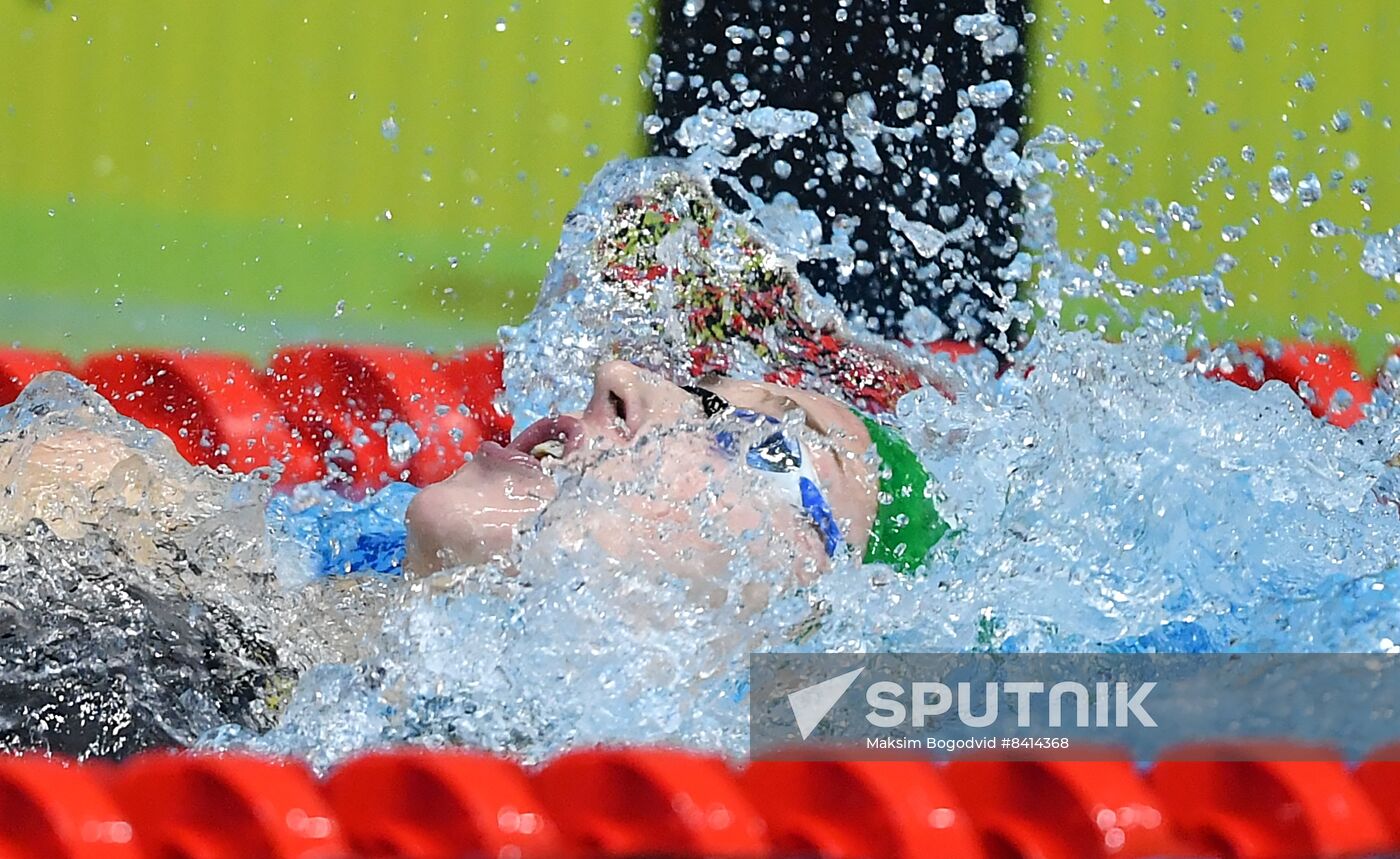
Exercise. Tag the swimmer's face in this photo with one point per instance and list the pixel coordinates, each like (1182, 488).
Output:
(641, 429)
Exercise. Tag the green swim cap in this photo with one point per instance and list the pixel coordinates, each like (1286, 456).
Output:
(907, 523)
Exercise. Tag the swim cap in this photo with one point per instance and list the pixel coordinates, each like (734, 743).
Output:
(906, 523)
(652, 268)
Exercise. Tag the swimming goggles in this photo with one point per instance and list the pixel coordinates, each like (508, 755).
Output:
(780, 459)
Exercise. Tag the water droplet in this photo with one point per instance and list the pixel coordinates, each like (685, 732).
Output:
(339, 308)
(991, 94)
(1280, 185)
(500, 25)
(1380, 258)
(402, 442)
(927, 240)
(389, 129)
(691, 8)
(1309, 189)
(1325, 228)
(931, 81)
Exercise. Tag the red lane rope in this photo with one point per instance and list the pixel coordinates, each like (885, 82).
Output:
(334, 408)
(616, 802)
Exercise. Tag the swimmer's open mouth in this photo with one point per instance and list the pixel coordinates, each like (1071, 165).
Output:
(548, 439)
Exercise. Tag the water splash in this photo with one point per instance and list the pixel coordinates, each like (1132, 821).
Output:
(1110, 498)
(1380, 258)
(518, 656)
(121, 568)
(139, 596)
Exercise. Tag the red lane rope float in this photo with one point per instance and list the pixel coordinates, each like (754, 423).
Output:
(443, 805)
(211, 406)
(859, 810)
(18, 367)
(339, 402)
(478, 374)
(1325, 376)
(1063, 809)
(1379, 777)
(346, 400)
(1278, 809)
(207, 807)
(631, 802)
(628, 802)
(52, 809)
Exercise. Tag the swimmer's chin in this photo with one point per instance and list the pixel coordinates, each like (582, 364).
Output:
(446, 563)
(469, 522)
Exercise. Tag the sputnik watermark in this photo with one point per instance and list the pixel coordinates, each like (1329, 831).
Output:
(1110, 704)
(811, 704)
(1070, 705)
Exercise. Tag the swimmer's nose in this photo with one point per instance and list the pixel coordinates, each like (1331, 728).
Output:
(625, 398)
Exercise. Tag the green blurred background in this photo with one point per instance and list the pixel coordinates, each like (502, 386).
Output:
(240, 175)
(226, 174)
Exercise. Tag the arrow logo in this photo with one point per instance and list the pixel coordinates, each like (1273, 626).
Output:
(811, 704)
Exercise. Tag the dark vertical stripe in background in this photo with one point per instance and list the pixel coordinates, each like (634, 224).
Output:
(880, 47)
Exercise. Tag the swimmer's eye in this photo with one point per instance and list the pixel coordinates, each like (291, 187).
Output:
(710, 402)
